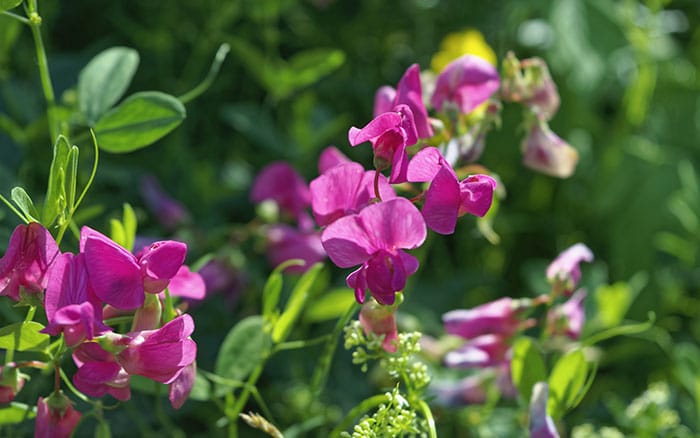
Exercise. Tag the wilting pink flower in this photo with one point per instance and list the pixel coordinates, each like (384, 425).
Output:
(119, 278)
(99, 373)
(11, 382)
(55, 417)
(408, 92)
(72, 308)
(281, 183)
(567, 319)
(29, 255)
(466, 83)
(380, 320)
(499, 317)
(161, 354)
(180, 388)
(529, 82)
(447, 198)
(390, 134)
(168, 211)
(331, 157)
(541, 424)
(482, 351)
(375, 238)
(545, 152)
(345, 189)
(564, 272)
(285, 242)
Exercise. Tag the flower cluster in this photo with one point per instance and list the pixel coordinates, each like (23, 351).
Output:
(81, 292)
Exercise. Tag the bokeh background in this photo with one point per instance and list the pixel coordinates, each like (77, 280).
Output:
(300, 73)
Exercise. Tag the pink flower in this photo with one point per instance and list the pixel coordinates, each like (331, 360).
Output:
(345, 189)
(169, 212)
(180, 388)
(279, 182)
(374, 238)
(390, 134)
(285, 242)
(568, 319)
(187, 284)
(541, 424)
(55, 417)
(331, 157)
(564, 272)
(529, 82)
(545, 152)
(499, 317)
(479, 352)
(378, 319)
(72, 308)
(11, 382)
(161, 354)
(26, 262)
(408, 92)
(447, 198)
(384, 99)
(119, 278)
(99, 373)
(466, 83)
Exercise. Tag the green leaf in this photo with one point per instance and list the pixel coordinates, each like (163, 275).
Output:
(273, 288)
(104, 80)
(124, 232)
(244, 348)
(24, 202)
(72, 176)
(16, 413)
(330, 305)
(295, 304)
(56, 202)
(24, 336)
(102, 430)
(527, 366)
(139, 121)
(6, 5)
(612, 302)
(566, 382)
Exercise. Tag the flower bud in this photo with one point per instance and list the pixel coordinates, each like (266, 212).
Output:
(546, 152)
(568, 318)
(564, 272)
(55, 417)
(541, 424)
(147, 317)
(11, 382)
(380, 320)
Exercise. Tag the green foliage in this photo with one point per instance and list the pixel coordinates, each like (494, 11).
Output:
(568, 383)
(124, 232)
(246, 345)
(24, 336)
(16, 412)
(296, 303)
(9, 4)
(527, 366)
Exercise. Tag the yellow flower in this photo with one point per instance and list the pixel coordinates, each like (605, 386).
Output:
(456, 44)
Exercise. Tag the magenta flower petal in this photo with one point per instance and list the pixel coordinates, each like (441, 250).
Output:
(495, 317)
(334, 194)
(476, 193)
(384, 100)
(113, 272)
(346, 242)
(408, 92)
(466, 82)
(281, 183)
(160, 262)
(375, 128)
(393, 224)
(285, 242)
(426, 164)
(187, 284)
(98, 379)
(331, 157)
(442, 202)
(480, 352)
(181, 387)
(54, 421)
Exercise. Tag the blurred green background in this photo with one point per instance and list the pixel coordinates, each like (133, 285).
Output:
(300, 73)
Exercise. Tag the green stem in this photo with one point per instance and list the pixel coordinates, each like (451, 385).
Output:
(243, 398)
(213, 72)
(428, 414)
(364, 406)
(30, 314)
(46, 85)
(14, 210)
(16, 17)
(73, 389)
(293, 345)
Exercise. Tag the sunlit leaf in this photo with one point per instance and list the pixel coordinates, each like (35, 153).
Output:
(24, 202)
(527, 366)
(296, 303)
(273, 288)
(139, 121)
(329, 305)
(16, 413)
(104, 80)
(566, 381)
(56, 200)
(24, 336)
(9, 4)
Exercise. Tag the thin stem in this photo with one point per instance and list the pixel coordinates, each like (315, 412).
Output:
(293, 345)
(46, 85)
(213, 72)
(14, 210)
(30, 314)
(376, 186)
(73, 389)
(364, 406)
(16, 17)
(428, 414)
(243, 398)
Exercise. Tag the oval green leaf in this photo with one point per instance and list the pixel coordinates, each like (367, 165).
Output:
(6, 5)
(296, 302)
(25, 204)
(527, 367)
(16, 413)
(24, 336)
(243, 349)
(139, 121)
(566, 382)
(104, 80)
(330, 305)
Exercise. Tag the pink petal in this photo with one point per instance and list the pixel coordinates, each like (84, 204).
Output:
(378, 126)
(392, 224)
(285, 242)
(467, 81)
(331, 157)
(442, 202)
(281, 183)
(384, 100)
(346, 242)
(476, 194)
(408, 92)
(160, 262)
(181, 387)
(425, 165)
(335, 192)
(187, 284)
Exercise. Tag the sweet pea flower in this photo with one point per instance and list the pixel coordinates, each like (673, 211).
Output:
(545, 152)
(384, 100)
(187, 284)
(408, 92)
(161, 354)
(285, 242)
(180, 388)
(567, 319)
(499, 317)
(541, 424)
(331, 157)
(530, 83)
(380, 320)
(465, 83)
(345, 189)
(11, 382)
(55, 417)
(168, 211)
(564, 272)
(390, 134)
(26, 263)
(447, 198)
(120, 278)
(99, 373)
(375, 239)
(71, 306)
(279, 182)
(480, 352)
